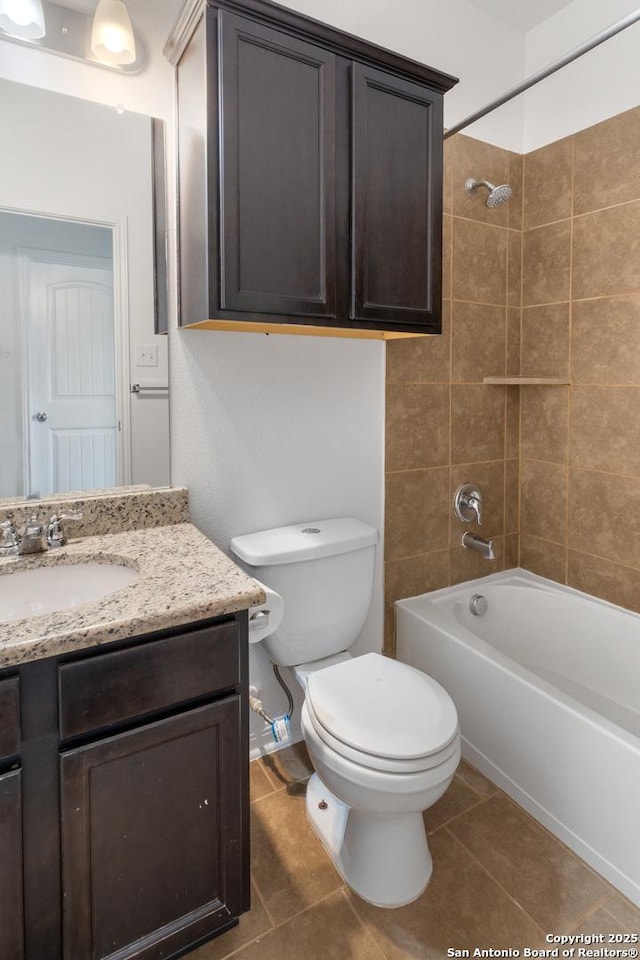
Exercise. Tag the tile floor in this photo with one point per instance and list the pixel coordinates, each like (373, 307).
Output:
(500, 880)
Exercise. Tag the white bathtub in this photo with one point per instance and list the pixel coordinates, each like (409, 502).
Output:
(547, 687)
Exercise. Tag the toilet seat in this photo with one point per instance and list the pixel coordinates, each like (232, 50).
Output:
(382, 714)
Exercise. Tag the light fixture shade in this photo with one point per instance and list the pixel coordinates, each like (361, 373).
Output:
(22, 18)
(112, 37)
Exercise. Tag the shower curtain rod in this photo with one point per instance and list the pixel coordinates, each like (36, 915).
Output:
(547, 71)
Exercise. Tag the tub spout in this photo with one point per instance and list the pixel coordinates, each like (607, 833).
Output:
(480, 545)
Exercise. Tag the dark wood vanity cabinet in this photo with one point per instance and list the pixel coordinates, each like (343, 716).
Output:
(11, 887)
(133, 809)
(310, 175)
(11, 882)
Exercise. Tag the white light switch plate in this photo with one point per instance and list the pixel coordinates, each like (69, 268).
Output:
(146, 355)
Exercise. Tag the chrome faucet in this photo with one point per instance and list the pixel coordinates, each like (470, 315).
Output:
(33, 538)
(467, 506)
(480, 545)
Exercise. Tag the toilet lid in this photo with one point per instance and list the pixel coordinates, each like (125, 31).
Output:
(382, 707)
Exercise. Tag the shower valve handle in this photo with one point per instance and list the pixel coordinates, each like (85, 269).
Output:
(467, 503)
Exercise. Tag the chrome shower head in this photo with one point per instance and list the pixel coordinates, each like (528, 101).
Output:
(497, 195)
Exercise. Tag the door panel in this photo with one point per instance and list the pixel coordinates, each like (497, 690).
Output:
(397, 204)
(152, 837)
(277, 177)
(11, 899)
(72, 381)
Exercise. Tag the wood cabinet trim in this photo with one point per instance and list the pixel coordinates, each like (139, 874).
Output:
(9, 717)
(307, 28)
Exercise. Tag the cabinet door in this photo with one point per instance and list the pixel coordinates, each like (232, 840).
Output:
(277, 172)
(152, 840)
(11, 916)
(396, 202)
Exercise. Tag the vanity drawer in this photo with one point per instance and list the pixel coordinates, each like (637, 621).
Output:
(116, 687)
(9, 717)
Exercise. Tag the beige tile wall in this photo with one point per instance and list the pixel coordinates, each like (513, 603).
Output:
(548, 285)
(443, 425)
(580, 445)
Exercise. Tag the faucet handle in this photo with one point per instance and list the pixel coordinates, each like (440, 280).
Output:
(467, 503)
(33, 527)
(56, 537)
(9, 539)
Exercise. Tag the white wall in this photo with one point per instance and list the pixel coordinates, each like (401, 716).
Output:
(599, 85)
(455, 36)
(269, 430)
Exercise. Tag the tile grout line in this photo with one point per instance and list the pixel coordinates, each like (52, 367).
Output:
(262, 900)
(283, 923)
(364, 925)
(486, 870)
(584, 213)
(577, 466)
(589, 913)
(567, 513)
(521, 308)
(567, 850)
(474, 806)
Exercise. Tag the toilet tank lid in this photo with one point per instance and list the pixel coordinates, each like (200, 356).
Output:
(304, 541)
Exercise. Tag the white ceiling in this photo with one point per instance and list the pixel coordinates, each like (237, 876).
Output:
(523, 14)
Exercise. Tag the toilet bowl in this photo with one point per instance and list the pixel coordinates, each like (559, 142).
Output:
(382, 736)
(378, 767)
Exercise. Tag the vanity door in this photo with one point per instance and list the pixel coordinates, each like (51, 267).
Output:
(152, 836)
(11, 895)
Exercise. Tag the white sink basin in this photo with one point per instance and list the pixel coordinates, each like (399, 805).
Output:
(32, 593)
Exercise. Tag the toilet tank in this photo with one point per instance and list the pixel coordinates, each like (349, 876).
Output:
(323, 570)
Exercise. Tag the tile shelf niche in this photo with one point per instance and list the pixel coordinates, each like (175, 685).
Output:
(529, 381)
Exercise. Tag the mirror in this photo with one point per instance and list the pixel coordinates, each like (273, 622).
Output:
(84, 400)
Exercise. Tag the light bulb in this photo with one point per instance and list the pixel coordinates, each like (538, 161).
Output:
(22, 18)
(112, 37)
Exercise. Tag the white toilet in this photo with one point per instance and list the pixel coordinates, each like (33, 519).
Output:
(383, 737)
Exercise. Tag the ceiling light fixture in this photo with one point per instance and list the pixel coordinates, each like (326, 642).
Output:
(23, 19)
(112, 39)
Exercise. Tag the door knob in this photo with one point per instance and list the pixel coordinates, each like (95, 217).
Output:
(40, 417)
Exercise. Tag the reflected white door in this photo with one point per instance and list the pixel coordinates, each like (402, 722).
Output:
(71, 388)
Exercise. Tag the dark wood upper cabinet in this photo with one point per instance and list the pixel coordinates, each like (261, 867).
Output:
(277, 175)
(396, 201)
(310, 176)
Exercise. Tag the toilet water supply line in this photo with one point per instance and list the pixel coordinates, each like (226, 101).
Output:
(280, 726)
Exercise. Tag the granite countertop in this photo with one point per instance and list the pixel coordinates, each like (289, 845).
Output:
(182, 578)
